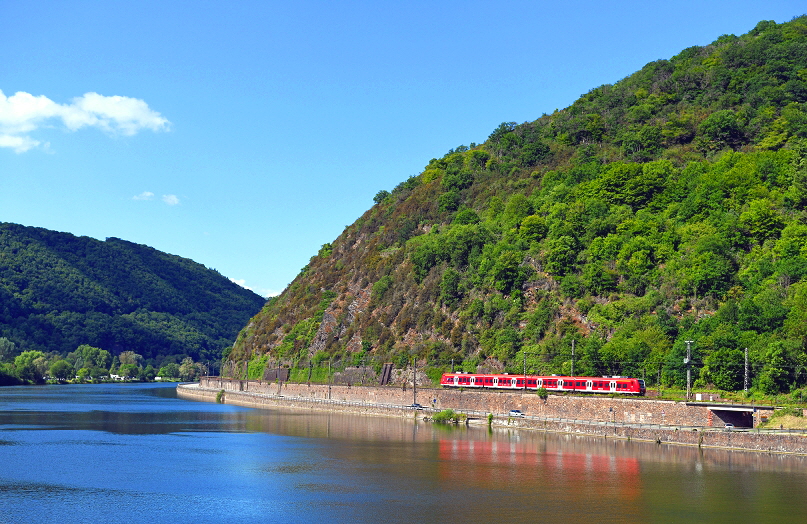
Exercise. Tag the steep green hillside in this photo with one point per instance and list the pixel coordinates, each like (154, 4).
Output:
(667, 207)
(59, 291)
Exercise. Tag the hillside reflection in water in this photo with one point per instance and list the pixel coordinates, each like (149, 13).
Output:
(137, 453)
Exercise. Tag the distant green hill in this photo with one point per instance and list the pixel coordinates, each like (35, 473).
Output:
(670, 206)
(59, 291)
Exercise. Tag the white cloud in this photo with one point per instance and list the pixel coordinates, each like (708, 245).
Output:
(145, 195)
(171, 200)
(267, 293)
(23, 113)
(241, 282)
(20, 144)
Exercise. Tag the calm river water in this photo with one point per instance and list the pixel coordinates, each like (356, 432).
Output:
(136, 453)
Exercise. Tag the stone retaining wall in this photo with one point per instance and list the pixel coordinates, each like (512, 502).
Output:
(595, 408)
(262, 400)
(265, 395)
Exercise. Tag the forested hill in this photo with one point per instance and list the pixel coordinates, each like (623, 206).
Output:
(59, 291)
(669, 206)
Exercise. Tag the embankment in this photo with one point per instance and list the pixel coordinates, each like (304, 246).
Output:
(687, 423)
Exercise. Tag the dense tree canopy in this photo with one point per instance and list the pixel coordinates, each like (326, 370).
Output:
(670, 206)
(59, 292)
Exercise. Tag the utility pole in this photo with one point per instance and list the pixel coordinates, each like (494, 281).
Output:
(745, 380)
(688, 362)
(525, 371)
(414, 380)
(658, 380)
(329, 380)
(572, 357)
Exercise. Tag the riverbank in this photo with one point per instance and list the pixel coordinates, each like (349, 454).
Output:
(684, 423)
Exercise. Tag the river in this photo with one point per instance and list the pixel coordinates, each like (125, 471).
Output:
(137, 453)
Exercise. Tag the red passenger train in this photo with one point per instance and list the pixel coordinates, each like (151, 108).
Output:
(628, 386)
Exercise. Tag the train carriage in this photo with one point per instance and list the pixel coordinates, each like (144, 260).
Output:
(620, 385)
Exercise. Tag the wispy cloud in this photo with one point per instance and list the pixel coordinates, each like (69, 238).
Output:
(23, 113)
(241, 282)
(19, 144)
(145, 195)
(171, 200)
(268, 293)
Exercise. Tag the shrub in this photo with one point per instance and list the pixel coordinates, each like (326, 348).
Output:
(449, 416)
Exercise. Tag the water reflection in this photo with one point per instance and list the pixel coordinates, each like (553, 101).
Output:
(98, 448)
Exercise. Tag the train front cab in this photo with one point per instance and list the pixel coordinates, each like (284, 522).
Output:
(461, 380)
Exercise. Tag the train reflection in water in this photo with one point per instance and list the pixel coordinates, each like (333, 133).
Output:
(599, 475)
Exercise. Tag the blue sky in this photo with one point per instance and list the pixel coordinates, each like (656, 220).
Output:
(244, 135)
